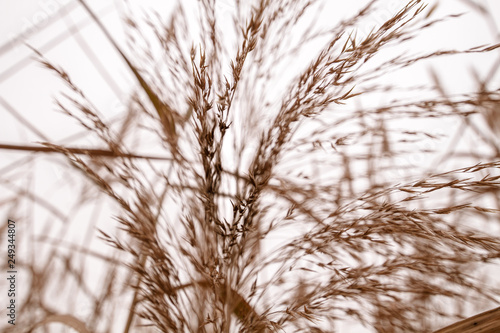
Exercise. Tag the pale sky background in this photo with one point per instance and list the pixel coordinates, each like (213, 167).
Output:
(27, 90)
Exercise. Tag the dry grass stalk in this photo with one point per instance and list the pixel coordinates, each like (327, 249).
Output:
(238, 229)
